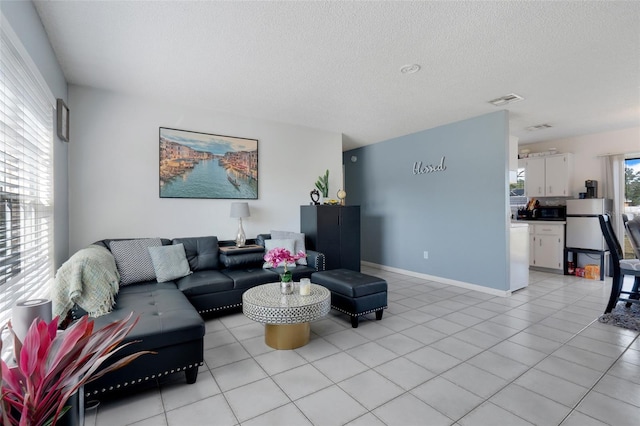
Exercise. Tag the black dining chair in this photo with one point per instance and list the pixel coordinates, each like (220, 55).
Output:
(621, 267)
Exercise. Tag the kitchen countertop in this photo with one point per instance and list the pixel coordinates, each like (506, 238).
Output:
(541, 222)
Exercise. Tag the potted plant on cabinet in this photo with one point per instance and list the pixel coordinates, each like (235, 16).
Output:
(323, 184)
(51, 366)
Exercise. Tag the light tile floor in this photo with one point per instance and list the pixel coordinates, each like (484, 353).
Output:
(442, 355)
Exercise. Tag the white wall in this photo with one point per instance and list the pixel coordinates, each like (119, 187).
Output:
(587, 149)
(113, 170)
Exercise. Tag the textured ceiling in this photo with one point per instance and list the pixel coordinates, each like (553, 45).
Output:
(336, 65)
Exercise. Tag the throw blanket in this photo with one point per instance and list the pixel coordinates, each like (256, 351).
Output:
(90, 279)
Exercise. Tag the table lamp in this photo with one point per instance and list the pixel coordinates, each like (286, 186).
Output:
(240, 210)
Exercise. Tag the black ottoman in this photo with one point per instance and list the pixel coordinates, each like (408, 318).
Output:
(353, 293)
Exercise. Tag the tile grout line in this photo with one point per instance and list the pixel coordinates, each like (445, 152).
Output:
(484, 350)
(543, 295)
(591, 389)
(334, 383)
(440, 374)
(520, 375)
(572, 409)
(291, 401)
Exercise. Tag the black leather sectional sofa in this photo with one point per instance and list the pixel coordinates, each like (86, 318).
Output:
(170, 313)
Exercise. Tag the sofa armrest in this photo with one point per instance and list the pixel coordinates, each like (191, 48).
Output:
(316, 260)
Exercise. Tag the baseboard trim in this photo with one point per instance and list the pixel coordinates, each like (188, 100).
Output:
(468, 286)
(549, 270)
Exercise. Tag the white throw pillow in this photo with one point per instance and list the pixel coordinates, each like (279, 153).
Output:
(298, 238)
(275, 243)
(169, 262)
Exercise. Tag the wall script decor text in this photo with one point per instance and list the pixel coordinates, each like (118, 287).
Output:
(419, 169)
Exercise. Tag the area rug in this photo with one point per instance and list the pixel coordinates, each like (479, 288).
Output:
(622, 316)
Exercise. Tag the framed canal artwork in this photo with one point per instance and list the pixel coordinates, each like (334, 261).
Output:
(201, 165)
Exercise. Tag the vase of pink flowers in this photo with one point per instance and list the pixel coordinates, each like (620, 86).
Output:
(286, 287)
(280, 256)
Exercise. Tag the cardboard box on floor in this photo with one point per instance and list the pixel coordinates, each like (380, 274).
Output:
(592, 271)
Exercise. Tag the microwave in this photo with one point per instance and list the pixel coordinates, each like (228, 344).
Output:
(550, 213)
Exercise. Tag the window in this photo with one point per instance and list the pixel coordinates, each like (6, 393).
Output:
(26, 177)
(517, 198)
(631, 197)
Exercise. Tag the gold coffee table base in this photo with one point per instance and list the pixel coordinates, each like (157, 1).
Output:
(287, 317)
(287, 336)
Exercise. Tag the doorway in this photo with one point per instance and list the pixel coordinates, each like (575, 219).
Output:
(631, 198)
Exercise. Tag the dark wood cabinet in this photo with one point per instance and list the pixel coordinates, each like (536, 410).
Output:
(334, 231)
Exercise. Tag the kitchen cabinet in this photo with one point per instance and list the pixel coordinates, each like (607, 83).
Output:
(334, 231)
(548, 176)
(546, 245)
(557, 175)
(534, 183)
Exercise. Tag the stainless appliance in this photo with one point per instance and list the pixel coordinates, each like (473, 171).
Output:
(543, 213)
(549, 213)
(583, 227)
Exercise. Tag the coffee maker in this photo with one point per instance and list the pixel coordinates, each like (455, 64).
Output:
(592, 188)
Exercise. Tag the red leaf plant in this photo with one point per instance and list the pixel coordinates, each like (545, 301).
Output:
(52, 366)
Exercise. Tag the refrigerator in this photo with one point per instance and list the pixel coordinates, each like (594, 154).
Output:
(583, 226)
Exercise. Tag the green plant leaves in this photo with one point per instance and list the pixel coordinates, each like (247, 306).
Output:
(323, 184)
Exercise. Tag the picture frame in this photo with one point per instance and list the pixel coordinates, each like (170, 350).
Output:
(204, 165)
(63, 120)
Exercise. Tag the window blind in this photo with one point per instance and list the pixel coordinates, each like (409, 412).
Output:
(26, 179)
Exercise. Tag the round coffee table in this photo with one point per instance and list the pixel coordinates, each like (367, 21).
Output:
(286, 317)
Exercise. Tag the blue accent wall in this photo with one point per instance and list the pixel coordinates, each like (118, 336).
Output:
(458, 215)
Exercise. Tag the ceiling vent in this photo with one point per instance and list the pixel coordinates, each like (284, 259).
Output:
(538, 127)
(506, 99)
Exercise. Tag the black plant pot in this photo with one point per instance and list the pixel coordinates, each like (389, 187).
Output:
(74, 415)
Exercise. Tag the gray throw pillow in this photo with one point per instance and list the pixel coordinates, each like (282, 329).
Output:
(299, 245)
(169, 262)
(133, 259)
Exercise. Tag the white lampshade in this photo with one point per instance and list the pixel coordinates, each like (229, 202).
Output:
(240, 210)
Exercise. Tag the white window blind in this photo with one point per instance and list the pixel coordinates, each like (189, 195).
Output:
(26, 179)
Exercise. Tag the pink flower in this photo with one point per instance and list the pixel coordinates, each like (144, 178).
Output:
(279, 255)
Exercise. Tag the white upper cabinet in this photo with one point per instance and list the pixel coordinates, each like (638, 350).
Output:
(557, 174)
(534, 182)
(548, 176)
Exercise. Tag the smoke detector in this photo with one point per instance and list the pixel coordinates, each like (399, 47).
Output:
(538, 127)
(506, 99)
